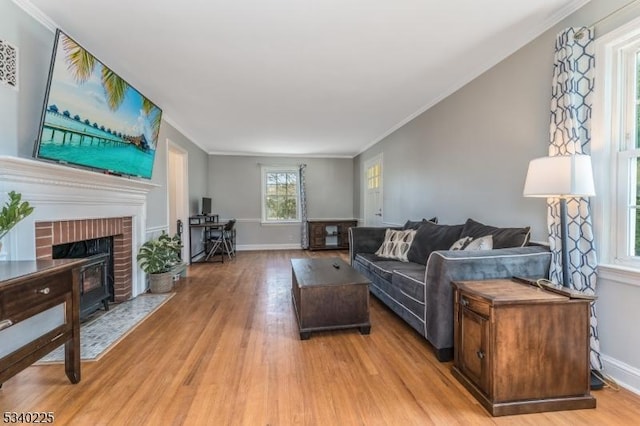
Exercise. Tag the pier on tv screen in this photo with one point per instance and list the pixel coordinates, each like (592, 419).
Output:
(93, 118)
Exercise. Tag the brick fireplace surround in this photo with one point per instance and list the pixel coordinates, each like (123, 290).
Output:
(52, 233)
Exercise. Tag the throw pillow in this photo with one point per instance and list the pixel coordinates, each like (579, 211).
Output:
(430, 237)
(482, 243)
(396, 244)
(502, 237)
(414, 224)
(461, 243)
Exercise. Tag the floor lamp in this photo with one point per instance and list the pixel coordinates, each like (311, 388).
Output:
(563, 176)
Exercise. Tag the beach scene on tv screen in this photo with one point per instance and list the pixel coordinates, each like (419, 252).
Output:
(94, 118)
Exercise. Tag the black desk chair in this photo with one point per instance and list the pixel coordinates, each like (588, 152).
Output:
(223, 240)
(229, 236)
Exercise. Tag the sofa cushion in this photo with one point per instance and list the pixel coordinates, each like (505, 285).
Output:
(369, 260)
(502, 237)
(410, 283)
(430, 237)
(385, 268)
(413, 224)
(378, 265)
(365, 259)
(396, 244)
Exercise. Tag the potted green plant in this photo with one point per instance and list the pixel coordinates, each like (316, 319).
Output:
(13, 212)
(157, 257)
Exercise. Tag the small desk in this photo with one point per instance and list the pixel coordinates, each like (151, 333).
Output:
(206, 224)
(28, 288)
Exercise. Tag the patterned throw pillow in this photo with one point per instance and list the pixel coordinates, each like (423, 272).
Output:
(461, 243)
(482, 243)
(396, 244)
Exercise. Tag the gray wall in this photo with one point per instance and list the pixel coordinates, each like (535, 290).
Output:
(157, 214)
(467, 157)
(20, 111)
(234, 185)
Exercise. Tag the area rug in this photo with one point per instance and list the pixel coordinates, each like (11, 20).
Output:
(98, 336)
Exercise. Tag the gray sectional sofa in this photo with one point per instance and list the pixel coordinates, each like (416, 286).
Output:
(420, 291)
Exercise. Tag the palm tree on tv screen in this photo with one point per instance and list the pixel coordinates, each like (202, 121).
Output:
(81, 63)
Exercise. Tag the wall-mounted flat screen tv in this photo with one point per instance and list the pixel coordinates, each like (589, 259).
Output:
(93, 118)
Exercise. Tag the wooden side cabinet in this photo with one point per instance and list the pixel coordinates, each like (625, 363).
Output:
(520, 349)
(329, 234)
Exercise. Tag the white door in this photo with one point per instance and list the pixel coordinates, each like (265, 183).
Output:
(373, 191)
(178, 189)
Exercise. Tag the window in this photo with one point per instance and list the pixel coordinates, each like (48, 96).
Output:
(373, 176)
(629, 151)
(616, 145)
(280, 195)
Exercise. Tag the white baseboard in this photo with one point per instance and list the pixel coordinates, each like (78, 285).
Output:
(254, 247)
(625, 375)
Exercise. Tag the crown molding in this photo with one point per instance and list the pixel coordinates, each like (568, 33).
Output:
(36, 14)
(266, 154)
(175, 125)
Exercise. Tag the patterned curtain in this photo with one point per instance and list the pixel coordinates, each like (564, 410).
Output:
(570, 133)
(304, 232)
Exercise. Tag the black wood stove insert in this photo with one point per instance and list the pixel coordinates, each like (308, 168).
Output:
(96, 277)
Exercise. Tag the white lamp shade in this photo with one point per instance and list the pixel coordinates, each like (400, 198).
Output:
(560, 176)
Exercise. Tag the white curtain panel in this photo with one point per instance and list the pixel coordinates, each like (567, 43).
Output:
(570, 133)
(304, 232)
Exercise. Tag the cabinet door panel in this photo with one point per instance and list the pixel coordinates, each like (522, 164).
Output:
(317, 230)
(473, 356)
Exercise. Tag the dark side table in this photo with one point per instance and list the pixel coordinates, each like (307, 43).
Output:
(328, 294)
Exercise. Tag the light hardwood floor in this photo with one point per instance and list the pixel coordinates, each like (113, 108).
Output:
(225, 350)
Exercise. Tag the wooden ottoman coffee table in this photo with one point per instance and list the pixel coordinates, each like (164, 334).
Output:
(328, 294)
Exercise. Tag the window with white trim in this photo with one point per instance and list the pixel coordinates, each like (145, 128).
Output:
(374, 176)
(280, 194)
(616, 144)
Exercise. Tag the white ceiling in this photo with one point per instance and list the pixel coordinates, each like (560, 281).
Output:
(298, 77)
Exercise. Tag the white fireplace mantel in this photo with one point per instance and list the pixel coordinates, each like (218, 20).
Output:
(58, 193)
(18, 169)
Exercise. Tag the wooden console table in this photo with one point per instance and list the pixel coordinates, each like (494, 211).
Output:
(29, 288)
(329, 234)
(520, 349)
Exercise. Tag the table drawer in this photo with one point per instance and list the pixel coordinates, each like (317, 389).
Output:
(479, 306)
(16, 300)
